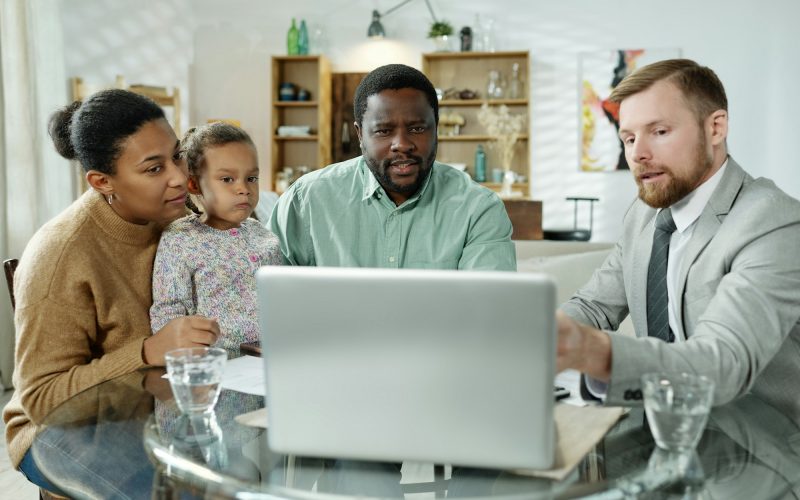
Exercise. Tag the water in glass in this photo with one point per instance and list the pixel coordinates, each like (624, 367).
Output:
(195, 375)
(677, 407)
(676, 428)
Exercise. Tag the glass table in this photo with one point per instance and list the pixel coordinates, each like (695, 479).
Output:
(125, 439)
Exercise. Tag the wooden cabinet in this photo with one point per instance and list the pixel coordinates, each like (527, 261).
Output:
(311, 150)
(526, 218)
(470, 70)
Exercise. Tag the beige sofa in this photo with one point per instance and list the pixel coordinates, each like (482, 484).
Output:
(569, 263)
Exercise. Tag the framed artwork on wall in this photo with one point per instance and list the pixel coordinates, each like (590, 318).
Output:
(599, 72)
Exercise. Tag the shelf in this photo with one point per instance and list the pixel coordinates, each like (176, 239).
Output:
(469, 138)
(479, 102)
(294, 104)
(498, 185)
(313, 73)
(295, 137)
(481, 55)
(307, 58)
(469, 70)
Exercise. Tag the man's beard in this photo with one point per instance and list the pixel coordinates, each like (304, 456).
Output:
(381, 172)
(677, 188)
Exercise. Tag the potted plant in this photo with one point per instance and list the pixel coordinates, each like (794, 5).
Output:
(441, 32)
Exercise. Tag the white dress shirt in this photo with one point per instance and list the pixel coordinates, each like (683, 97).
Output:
(685, 214)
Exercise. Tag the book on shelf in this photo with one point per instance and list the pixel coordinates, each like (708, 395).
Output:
(294, 130)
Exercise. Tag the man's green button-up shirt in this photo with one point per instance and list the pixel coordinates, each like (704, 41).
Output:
(340, 216)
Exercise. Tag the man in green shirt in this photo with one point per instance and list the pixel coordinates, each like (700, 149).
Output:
(394, 206)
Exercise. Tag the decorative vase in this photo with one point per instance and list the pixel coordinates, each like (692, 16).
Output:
(302, 38)
(292, 40)
(442, 43)
(508, 181)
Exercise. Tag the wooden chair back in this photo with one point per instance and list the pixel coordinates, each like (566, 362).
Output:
(10, 266)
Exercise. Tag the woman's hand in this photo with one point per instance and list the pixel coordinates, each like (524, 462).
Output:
(186, 331)
(157, 385)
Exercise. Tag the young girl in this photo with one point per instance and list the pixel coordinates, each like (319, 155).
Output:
(206, 262)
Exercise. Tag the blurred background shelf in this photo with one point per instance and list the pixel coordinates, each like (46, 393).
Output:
(313, 74)
(460, 71)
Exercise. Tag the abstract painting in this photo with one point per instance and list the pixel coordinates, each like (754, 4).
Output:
(599, 72)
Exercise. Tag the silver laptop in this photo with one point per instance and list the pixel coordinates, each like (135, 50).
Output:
(391, 365)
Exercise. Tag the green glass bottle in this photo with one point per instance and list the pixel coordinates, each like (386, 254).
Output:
(302, 39)
(480, 164)
(292, 40)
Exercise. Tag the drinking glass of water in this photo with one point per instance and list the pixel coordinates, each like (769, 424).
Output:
(194, 375)
(677, 407)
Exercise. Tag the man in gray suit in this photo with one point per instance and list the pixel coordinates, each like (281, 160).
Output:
(707, 265)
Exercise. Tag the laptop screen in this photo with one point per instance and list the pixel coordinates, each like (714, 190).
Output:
(440, 366)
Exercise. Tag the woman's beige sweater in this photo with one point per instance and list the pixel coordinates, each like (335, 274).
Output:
(83, 293)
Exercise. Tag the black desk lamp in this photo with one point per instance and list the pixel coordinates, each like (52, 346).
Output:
(376, 28)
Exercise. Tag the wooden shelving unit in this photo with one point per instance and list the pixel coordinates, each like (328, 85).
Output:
(470, 70)
(473, 138)
(312, 73)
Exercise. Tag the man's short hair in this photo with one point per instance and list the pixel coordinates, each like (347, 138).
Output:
(393, 77)
(699, 85)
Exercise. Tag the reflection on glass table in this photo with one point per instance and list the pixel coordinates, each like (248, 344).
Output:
(748, 450)
(118, 440)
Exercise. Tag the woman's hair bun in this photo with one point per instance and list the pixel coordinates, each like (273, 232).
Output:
(60, 128)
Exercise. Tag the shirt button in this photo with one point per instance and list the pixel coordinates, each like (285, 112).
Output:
(254, 258)
(234, 232)
(391, 259)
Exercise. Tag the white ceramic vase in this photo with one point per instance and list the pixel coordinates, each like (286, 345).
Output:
(508, 181)
(442, 43)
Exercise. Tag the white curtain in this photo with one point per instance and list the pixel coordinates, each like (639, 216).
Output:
(35, 182)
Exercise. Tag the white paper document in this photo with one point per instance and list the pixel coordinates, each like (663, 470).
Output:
(571, 379)
(245, 374)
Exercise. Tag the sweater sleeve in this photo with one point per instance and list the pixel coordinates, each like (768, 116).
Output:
(172, 280)
(55, 361)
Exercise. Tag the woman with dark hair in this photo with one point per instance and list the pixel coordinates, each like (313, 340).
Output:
(83, 286)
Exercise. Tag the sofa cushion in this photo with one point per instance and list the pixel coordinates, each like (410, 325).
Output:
(570, 272)
(545, 248)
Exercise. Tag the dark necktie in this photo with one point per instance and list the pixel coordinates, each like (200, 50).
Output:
(657, 298)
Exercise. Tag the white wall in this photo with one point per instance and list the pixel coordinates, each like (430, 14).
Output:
(147, 42)
(223, 50)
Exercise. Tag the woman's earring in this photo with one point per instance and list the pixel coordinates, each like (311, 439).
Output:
(110, 198)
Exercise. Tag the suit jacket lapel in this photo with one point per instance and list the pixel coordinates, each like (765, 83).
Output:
(710, 219)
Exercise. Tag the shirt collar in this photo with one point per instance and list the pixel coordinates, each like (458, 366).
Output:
(687, 210)
(372, 187)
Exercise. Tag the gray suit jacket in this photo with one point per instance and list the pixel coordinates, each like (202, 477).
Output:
(739, 287)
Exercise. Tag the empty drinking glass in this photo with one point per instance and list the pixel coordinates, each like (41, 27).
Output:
(677, 407)
(194, 375)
